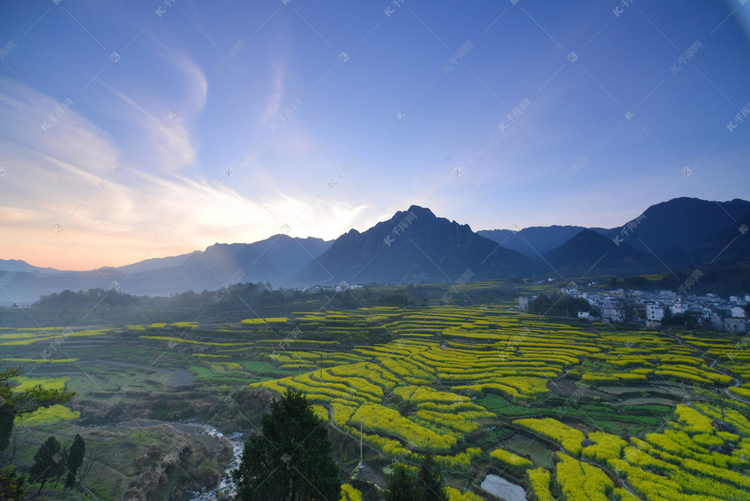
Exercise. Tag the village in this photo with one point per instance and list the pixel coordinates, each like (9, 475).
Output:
(666, 307)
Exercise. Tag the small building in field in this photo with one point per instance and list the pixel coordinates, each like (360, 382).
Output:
(523, 303)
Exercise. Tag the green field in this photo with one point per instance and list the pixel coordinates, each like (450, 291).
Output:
(632, 411)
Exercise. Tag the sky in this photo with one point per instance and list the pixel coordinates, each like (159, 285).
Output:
(134, 130)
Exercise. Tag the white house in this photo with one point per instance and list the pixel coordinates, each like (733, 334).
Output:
(678, 309)
(654, 312)
(611, 313)
(523, 303)
(737, 312)
(736, 325)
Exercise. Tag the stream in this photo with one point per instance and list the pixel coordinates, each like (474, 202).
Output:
(226, 485)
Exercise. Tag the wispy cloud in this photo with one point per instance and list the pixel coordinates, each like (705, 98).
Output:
(112, 210)
(275, 101)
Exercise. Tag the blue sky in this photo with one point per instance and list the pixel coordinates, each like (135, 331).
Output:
(138, 131)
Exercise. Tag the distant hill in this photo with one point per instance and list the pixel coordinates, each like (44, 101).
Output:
(730, 246)
(427, 248)
(17, 265)
(269, 260)
(671, 229)
(416, 246)
(535, 240)
(591, 254)
(154, 263)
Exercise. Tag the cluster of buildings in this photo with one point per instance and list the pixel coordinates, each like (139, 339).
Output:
(711, 311)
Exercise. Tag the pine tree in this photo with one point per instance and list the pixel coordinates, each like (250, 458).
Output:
(430, 483)
(292, 459)
(401, 485)
(75, 458)
(49, 462)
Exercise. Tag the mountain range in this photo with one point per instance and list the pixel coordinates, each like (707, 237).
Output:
(416, 246)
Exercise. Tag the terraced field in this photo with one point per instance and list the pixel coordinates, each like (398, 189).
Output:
(568, 411)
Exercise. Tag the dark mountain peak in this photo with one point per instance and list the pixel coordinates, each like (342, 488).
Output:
(413, 246)
(423, 212)
(413, 214)
(586, 242)
(671, 228)
(423, 219)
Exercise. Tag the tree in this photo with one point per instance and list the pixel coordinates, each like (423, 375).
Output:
(16, 404)
(430, 483)
(75, 458)
(558, 305)
(291, 459)
(401, 485)
(49, 462)
(11, 486)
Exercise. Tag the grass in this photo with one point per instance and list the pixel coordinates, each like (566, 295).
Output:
(518, 354)
(500, 406)
(265, 368)
(538, 453)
